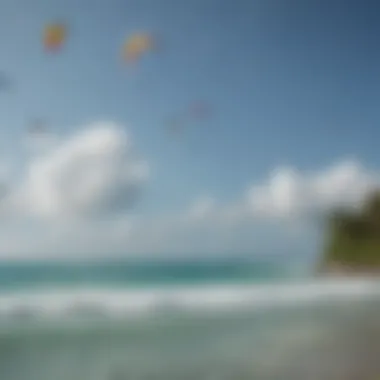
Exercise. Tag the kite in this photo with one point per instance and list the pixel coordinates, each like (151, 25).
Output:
(136, 46)
(175, 125)
(54, 36)
(200, 111)
(194, 112)
(37, 127)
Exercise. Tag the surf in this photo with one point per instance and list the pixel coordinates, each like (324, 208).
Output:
(130, 303)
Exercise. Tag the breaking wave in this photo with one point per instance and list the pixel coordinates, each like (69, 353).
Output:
(122, 303)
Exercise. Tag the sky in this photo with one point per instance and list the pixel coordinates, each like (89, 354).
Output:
(292, 89)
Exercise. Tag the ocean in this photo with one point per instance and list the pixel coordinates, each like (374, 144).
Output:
(216, 319)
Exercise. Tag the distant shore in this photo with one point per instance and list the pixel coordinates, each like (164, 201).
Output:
(341, 270)
(352, 240)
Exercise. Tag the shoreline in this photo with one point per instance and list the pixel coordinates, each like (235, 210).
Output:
(342, 270)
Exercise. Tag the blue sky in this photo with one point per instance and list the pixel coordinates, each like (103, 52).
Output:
(289, 83)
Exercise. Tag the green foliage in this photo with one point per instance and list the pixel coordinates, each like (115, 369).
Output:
(354, 238)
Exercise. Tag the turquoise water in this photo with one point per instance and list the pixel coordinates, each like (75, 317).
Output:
(188, 320)
(137, 273)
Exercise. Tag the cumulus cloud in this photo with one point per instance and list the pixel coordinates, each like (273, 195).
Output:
(273, 215)
(291, 194)
(94, 172)
(75, 199)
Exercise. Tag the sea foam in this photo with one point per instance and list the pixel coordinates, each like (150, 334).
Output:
(130, 303)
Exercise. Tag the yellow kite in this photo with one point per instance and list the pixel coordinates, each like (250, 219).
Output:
(54, 36)
(136, 46)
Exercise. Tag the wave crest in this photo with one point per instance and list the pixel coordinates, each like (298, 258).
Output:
(129, 303)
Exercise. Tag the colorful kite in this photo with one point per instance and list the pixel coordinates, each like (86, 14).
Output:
(37, 127)
(136, 46)
(54, 36)
(200, 111)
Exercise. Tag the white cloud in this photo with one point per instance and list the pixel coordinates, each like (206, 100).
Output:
(93, 172)
(273, 215)
(75, 199)
(289, 193)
